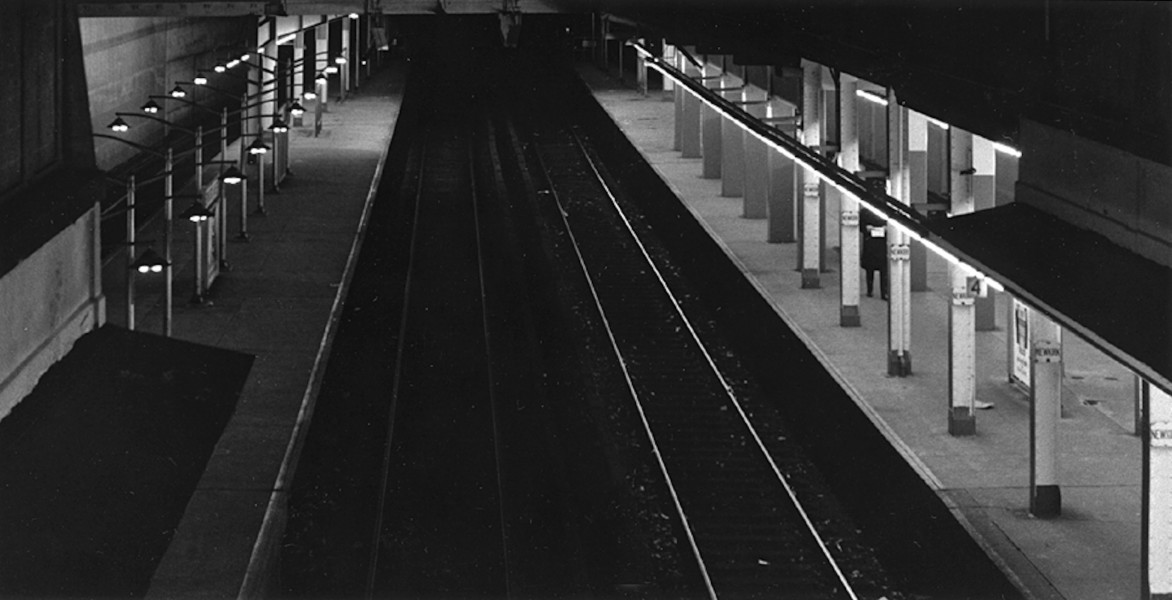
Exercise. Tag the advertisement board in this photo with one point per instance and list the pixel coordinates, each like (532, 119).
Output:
(209, 262)
(1019, 344)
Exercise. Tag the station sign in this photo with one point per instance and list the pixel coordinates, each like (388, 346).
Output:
(1161, 434)
(1046, 351)
(1159, 414)
(850, 218)
(977, 286)
(901, 252)
(810, 190)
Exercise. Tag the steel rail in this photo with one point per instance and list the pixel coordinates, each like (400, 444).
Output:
(630, 385)
(716, 371)
(397, 379)
(492, 396)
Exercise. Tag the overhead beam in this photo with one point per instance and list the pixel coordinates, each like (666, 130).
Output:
(170, 9)
(229, 8)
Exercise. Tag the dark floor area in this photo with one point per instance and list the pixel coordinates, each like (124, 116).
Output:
(98, 462)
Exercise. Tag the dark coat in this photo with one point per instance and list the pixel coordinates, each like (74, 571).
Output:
(874, 248)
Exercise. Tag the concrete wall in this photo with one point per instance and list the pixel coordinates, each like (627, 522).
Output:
(128, 59)
(50, 286)
(1098, 187)
(50, 299)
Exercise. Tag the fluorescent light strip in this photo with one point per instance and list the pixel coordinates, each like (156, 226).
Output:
(937, 122)
(641, 50)
(872, 96)
(1014, 152)
(654, 64)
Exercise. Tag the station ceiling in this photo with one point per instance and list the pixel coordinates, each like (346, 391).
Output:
(978, 64)
(227, 8)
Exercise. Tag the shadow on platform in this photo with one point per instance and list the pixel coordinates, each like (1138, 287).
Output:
(97, 464)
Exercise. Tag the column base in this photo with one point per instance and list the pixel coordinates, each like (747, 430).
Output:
(1046, 501)
(848, 316)
(810, 280)
(961, 421)
(899, 365)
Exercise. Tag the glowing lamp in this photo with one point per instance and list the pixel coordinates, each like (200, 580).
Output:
(257, 147)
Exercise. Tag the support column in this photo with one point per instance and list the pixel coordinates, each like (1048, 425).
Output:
(604, 43)
(690, 107)
(619, 45)
(677, 61)
(755, 205)
(321, 61)
(810, 208)
(984, 189)
(1045, 410)
(899, 359)
(830, 209)
(344, 69)
(710, 128)
(780, 210)
(641, 72)
(917, 157)
(732, 144)
(671, 55)
(1156, 523)
(962, 362)
(269, 111)
(848, 159)
(358, 52)
(299, 71)
(962, 418)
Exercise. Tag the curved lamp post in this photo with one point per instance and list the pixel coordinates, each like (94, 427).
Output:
(232, 176)
(168, 177)
(198, 214)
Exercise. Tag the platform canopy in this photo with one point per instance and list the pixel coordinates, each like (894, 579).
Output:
(1110, 296)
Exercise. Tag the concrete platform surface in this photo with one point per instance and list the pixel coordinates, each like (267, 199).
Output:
(278, 301)
(1091, 552)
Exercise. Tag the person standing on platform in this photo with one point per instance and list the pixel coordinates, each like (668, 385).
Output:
(874, 254)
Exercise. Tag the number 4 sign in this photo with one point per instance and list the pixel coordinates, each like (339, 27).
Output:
(977, 286)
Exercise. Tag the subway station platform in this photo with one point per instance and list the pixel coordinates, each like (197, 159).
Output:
(1090, 552)
(278, 302)
(282, 294)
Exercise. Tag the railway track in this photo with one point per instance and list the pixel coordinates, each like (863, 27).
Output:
(440, 526)
(471, 441)
(749, 534)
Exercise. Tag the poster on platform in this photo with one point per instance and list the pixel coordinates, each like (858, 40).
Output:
(1019, 346)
